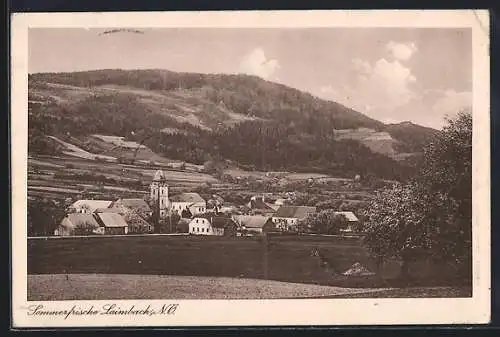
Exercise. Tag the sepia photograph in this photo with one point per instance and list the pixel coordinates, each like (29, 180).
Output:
(249, 163)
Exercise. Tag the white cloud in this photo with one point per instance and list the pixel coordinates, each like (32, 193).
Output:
(451, 102)
(401, 51)
(377, 89)
(256, 63)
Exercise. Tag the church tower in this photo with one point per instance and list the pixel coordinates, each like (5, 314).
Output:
(159, 193)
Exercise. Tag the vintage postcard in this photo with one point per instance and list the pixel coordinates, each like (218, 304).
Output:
(250, 168)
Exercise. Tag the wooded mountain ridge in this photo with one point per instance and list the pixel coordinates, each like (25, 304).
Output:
(198, 117)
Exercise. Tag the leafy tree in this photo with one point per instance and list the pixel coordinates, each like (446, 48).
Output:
(43, 216)
(169, 224)
(186, 213)
(325, 222)
(432, 214)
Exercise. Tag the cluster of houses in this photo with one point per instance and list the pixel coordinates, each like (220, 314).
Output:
(134, 216)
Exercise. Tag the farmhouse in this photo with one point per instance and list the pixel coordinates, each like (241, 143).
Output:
(351, 218)
(251, 224)
(89, 206)
(113, 223)
(78, 224)
(136, 212)
(208, 224)
(191, 201)
(288, 217)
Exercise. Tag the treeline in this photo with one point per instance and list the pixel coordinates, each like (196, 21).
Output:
(272, 146)
(43, 216)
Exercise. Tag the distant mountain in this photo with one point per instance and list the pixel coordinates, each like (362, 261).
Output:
(199, 117)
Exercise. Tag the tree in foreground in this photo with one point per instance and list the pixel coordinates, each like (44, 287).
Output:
(431, 216)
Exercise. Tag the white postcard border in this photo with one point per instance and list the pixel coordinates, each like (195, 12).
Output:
(261, 312)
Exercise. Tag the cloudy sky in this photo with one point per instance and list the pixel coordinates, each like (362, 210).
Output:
(389, 74)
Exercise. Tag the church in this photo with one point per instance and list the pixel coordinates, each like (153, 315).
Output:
(182, 204)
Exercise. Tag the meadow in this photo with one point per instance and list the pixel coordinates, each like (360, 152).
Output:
(156, 266)
(280, 258)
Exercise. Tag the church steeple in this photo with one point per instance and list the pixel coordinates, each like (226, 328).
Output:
(159, 193)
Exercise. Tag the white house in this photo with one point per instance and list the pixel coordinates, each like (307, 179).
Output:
(201, 226)
(289, 217)
(211, 225)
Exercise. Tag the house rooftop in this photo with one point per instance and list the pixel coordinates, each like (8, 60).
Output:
(92, 205)
(251, 221)
(299, 212)
(81, 219)
(351, 217)
(108, 210)
(222, 222)
(112, 220)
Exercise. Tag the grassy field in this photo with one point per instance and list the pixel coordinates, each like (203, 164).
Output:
(286, 259)
(281, 258)
(101, 286)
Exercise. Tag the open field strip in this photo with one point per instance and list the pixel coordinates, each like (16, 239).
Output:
(103, 236)
(99, 287)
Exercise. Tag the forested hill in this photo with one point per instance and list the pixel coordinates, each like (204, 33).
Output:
(196, 117)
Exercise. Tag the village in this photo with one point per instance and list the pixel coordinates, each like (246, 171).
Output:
(190, 214)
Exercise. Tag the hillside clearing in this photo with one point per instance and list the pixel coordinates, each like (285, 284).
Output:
(73, 150)
(99, 287)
